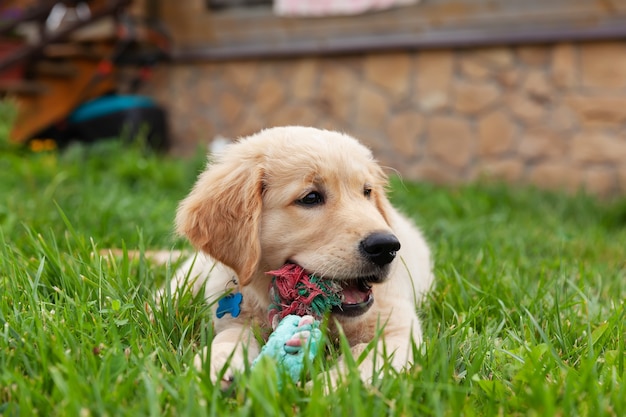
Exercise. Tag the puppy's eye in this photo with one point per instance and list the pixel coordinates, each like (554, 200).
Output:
(311, 199)
(367, 192)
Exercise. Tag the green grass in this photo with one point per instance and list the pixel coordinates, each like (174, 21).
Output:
(526, 318)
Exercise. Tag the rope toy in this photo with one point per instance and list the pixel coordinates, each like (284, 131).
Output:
(299, 302)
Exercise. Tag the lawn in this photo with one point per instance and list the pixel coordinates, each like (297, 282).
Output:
(526, 318)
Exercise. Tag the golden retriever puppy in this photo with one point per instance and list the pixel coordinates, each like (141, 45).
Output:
(314, 198)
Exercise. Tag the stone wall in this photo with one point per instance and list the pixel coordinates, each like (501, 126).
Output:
(552, 115)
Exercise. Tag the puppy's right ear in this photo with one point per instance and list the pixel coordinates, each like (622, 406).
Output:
(221, 215)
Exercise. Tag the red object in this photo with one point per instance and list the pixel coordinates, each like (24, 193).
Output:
(292, 299)
(9, 47)
(105, 67)
(145, 73)
(293, 291)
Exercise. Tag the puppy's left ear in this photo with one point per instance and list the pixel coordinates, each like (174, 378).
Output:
(221, 215)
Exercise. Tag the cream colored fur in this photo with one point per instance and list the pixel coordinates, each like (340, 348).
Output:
(243, 216)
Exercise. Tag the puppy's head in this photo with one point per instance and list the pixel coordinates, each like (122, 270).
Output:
(311, 197)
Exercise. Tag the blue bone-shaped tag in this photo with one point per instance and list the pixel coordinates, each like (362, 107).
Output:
(231, 304)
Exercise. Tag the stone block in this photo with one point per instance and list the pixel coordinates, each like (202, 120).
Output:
(508, 170)
(603, 65)
(230, 106)
(533, 55)
(434, 172)
(182, 76)
(297, 114)
(474, 70)
(555, 175)
(495, 57)
(562, 119)
(471, 98)
(270, 95)
(390, 71)
(182, 106)
(451, 140)
(564, 66)
(525, 109)
(537, 87)
(338, 87)
(598, 147)
(250, 123)
(404, 131)
(600, 110)
(201, 132)
(434, 72)
(240, 74)
(509, 77)
(379, 145)
(304, 78)
(371, 108)
(496, 134)
(205, 93)
(541, 143)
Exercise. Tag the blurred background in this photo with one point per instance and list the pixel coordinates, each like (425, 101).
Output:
(446, 91)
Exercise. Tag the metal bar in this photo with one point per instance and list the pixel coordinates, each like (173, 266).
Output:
(466, 38)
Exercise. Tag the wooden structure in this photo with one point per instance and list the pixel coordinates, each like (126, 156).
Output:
(255, 32)
(60, 68)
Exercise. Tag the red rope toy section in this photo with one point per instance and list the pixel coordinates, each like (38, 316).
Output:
(293, 291)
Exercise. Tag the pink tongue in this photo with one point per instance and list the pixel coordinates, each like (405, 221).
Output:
(354, 295)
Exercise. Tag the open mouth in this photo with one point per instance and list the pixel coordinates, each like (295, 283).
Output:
(296, 291)
(357, 297)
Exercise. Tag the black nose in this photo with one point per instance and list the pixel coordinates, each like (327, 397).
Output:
(380, 248)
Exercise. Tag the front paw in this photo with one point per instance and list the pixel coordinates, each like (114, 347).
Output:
(224, 365)
(305, 333)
